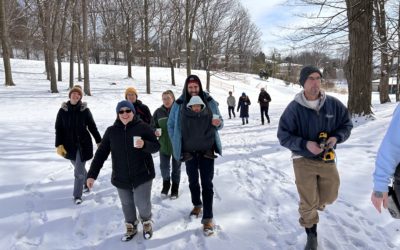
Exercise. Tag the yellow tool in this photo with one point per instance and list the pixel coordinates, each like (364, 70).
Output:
(328, 154)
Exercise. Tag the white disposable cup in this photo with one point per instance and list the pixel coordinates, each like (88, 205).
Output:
(159, 130)
(135, 139)
(215, 116)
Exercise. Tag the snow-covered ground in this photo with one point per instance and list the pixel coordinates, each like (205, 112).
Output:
(255, 204)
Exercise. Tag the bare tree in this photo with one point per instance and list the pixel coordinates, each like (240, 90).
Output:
(359, 64)
(146, 41)
(380, 19)
(86, 82)
(5, 47)
(60, 48)
(191, 7)
(74, 27)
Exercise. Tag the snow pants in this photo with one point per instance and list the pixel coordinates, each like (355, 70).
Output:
(317, 184)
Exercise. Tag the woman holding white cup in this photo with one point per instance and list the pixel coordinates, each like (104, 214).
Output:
(131, 143)
(159, 124)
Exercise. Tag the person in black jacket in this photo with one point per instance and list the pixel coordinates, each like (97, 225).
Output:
(263, 99)
(73, 124)
(131, 143)
(243, 106)
(142, 111)
(300, 126)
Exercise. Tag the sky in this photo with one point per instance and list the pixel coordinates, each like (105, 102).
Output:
(255, 201)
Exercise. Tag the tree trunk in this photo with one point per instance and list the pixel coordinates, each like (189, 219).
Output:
(86, 83)
(60, 48)
(4, 43)
(380, 19)
(188, 39)
(359, 66)
(73, 44)
(146, 38)
(398, 59)
(171, 65)
(128, 46)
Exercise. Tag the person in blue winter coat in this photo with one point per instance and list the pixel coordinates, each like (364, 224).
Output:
(310, 113)
(387, 159)
(193, 135)
(243, 106)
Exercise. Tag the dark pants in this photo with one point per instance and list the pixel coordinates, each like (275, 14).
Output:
(231, 109)
(264, 110)
(165, 167)
(205, 167)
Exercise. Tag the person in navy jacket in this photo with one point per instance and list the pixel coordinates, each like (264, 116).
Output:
(310, 113)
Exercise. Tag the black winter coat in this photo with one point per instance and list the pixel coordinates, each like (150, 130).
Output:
(131, 166)
(243, 105)
(142, 112)
(73, 124)
(264, 98)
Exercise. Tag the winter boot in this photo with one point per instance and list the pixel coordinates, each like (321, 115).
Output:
(247, 121)
(195, 212)
(242, 121)
(147, 229)
(312, 242)
(86, 189)
(131, 230)
(210, 154)
(174, 190)
(208, 228)
(165, 188)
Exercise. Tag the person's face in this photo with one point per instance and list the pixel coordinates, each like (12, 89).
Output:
(75, 97)
(167, 100)
(131, 97)
(193, 89)
(125, 115)
(312, 86)
(230, 93)
(196, 108)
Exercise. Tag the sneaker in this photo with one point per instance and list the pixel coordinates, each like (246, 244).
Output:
(147, 229)
(77, 200)
(186, 157)
(209, 154)
(131, 230)
(165, 189)
(312, 242)
(195, 212)
(208, 228)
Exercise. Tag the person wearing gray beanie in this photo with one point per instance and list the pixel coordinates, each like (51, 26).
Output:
(306, 72)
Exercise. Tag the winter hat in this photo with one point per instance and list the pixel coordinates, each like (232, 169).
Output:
(243, 94)
(195, 100)
(131, 90)
(193, 79)
(125, 104)
(306, 71)
(76, 88)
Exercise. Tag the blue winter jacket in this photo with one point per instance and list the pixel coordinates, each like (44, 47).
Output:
(174, 121)
(388, 156)
(300, 123)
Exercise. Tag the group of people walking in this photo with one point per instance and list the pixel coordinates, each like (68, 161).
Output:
(186, 130)
(243, 105)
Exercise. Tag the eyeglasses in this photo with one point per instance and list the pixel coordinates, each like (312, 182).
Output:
(124, 111)
(314, 78)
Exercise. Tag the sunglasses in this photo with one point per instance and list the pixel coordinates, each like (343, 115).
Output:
(124, 111)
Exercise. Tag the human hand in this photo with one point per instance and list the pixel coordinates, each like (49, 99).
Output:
(331, 142)
(379, 198)
(139, 143)
(61, 151)
(314, 147)
(90, 183)
(216, 122)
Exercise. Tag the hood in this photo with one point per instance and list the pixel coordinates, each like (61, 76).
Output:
(82, 105)
(185, 93)
(301, 99)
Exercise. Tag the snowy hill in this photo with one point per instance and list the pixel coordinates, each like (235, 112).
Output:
(255, 203)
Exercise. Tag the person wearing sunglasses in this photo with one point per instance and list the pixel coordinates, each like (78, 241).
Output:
(309, 115)
(131, 143)
(74, 124)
